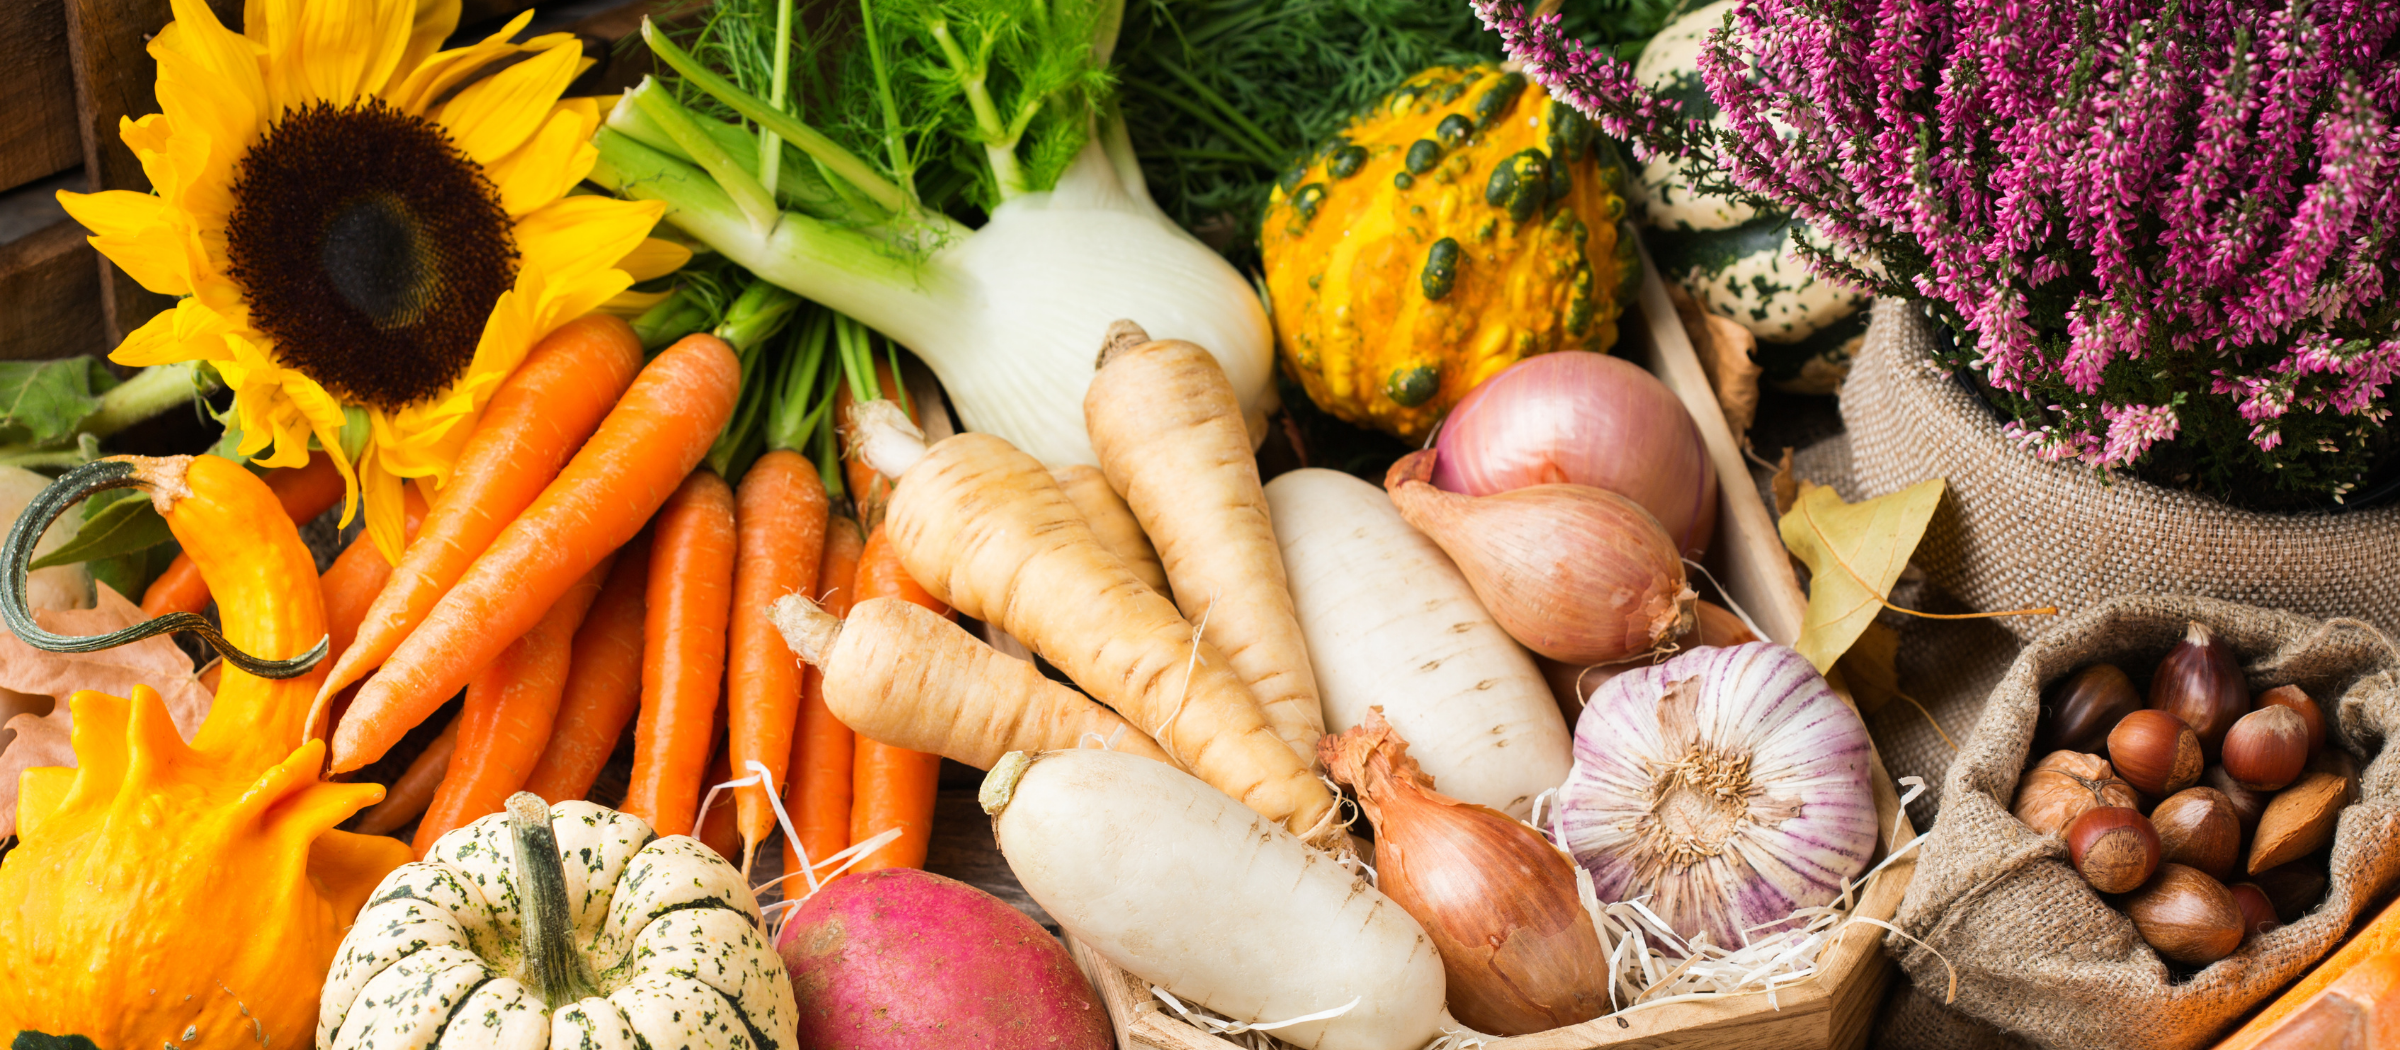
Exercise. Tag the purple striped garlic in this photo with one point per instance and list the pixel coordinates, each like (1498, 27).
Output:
(1728, 786)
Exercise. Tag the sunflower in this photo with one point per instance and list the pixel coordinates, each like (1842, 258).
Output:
(367, 234)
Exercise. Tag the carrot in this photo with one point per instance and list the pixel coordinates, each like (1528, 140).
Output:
(511, 706)
(642, 451)
(719, 828)
(985, 528)
(891, 787)
(1168, 429)
(779, 534)
(2374, 949)
(413, 791)
(899, 674)
(683, 652)
(869, 491)
(533, 423)
(1112, 521)
(604, 682)
(817, 792)
(357, 575)
(304, 491)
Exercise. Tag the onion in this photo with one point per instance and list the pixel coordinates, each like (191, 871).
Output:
(1571, 684)
(1729, 786)
(1583, 419)
(1578, 574)
(1518, 949)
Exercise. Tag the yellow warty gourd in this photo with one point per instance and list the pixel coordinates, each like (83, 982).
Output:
(1461, 224)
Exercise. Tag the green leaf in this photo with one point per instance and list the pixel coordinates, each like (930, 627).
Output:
(132, 573)
(124, 526)
(47, 398)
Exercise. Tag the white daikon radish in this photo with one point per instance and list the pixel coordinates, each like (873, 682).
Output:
(1182, 886)
(1391, 623)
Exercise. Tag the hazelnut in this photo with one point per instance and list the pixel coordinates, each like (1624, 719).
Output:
(2155, 752)
(2267, 748)
(2201, 682)
(2258, 913)
(2247, 804)
(2065, 784)
(2298, 821)
(2187, 916)
(2113, 848)
(2085, 707)
(2198, 828)
(2291, 696)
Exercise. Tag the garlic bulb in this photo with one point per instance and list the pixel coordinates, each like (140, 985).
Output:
(1727, 785)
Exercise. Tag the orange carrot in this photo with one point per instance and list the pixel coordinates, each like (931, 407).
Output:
(511, 706)
(642, 451)
(870, 491)
(413, 791)
(305, 492)
(892, 787)
(817, 793)
(718, 829)
(358, 575)
(604, 682)
(683, 652)
(534, 421)
(779, 523)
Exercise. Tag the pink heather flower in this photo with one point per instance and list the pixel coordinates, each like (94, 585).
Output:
(2132, 429)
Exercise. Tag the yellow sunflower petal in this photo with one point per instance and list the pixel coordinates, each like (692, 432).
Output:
(574, 236)
(630, 305)
(209, 84)
(333, 52)
(188, 332)
(387, 522)
(653, 258)
(434, 22)
(495, 115)
(548, 165)
(137, 232)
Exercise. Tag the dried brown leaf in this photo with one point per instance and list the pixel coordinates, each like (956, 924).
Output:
(47, 740)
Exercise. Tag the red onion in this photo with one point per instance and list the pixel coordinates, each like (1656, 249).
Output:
(1585, 419)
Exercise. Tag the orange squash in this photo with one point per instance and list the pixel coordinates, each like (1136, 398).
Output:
(166, 895)
(1461, 224)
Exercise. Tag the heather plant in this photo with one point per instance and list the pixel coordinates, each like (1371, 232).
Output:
(2162, 233)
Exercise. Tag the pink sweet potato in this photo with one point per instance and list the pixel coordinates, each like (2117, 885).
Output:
(899, 959)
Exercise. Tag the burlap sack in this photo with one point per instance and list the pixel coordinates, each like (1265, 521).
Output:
(2017, 533)
(2037, 951)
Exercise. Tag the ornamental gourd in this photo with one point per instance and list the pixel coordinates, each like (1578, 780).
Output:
(1462, 223)
(568, 926)
(166, 896)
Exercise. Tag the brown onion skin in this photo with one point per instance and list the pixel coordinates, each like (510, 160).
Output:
(1578, 574)
(1581, 418)
(1714, 625)
(2201, 682)
(2085, 707)
(1498, 901)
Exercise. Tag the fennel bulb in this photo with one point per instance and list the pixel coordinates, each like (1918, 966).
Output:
(1010, 316)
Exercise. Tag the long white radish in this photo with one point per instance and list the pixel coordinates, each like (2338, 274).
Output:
(1183, 887)
(1168, 428)
(1391, 623)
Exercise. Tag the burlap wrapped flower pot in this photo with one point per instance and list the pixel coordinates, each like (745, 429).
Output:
(2017, 533)
(2035, 949)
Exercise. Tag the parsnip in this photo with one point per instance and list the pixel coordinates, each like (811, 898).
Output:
(905, 677)
(986, 529)
(1168, 429)
(1392, 624)
(1180, 886)
(1112, 521)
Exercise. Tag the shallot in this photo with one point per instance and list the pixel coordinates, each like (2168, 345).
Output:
(1727, 786)
(1578, 574)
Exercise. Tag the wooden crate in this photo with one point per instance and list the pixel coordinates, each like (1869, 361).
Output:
(1830, 1011)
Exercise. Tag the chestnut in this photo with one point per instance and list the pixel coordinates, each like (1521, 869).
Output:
(2085, 707)
(2267, 748)
(2198, 828)
(2113, 847)
(2258, 913)
(2292, 697)
(2201, 683)
(2187, 916)
(2293, 888)
(2065, 784)
(2247, 804)
(2155, 752)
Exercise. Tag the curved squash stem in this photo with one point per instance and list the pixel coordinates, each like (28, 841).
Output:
(553, 967)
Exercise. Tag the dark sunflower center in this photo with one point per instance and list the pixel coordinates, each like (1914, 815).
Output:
(370, 249)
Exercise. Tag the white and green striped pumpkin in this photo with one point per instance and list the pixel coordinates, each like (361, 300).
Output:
(569, 926)
(1734, 260)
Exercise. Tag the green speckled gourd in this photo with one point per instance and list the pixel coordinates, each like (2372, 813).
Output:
(568, 926)
(1735, 261)
(1459, 225)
